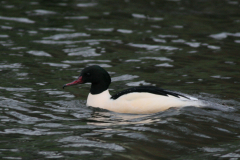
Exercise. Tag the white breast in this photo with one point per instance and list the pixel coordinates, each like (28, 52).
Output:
(98, 100)
(138, 103)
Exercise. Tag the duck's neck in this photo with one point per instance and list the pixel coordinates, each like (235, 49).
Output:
(97, 88)
(98, 100)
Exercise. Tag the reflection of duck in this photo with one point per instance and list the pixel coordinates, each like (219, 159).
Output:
(137, 100)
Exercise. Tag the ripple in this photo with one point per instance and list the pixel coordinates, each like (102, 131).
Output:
(230, 62)
(58, 118)
(86, 4)
(18, 48)
(14, 104)
(101, 29)
(222, 129)
(167, 36)
(6, 27)
(67, 96)
(67, 36)
(140, 128)
(57, 29)
(77, 17)
(50, 125)
(39, 53)
(156, 26)
(23, 20)
(78, 141)
(74, 42)
(55, 92)
(58, 93)
(202, 135)
(14, 158)
(42, 83)
(4, 36)
(156, 18)
(137, 136)
(213, 47)
(139, 83)
(55, 42)
(153, 47)
(17, 89)
(135, 15)
(178, 41)
(231, 155)
(193, 44)
(159, 40)
(219, 35)
(101, 65)
(82, 51)
(21, 131)
(141, 16)
(133, 60)
(124, 31)
(57, 65)
(51, 154)
(9, 6)
(40, 12)
(34, 3)
(85, 61)
(62, 4)
(168, 142)
(7, 43)
(164, 65)
(8, 66)
(124, 77)
(178, 26)
(220, 77)
(211, 150)
(233, 2)
(28, 119)
(158, 58)
(237, 41)
(223, 35)
(78, 152)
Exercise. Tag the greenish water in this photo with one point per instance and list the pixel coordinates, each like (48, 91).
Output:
(188, 46)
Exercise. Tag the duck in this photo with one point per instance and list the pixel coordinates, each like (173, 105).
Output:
(134, 100)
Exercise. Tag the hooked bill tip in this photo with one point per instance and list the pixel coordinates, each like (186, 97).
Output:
(64, 86)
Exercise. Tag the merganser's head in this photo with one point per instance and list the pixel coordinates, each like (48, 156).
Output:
(96, 75)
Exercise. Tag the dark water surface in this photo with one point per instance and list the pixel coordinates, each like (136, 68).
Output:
(188, 46)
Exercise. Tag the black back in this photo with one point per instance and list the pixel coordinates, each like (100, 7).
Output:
(147, 89)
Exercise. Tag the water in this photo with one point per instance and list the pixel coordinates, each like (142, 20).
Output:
(188, 46)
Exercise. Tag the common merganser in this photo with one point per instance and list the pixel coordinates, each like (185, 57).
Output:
(136, 100)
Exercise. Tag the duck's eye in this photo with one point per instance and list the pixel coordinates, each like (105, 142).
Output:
(88, 74)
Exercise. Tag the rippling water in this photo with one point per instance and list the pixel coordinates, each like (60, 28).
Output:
(188, 46)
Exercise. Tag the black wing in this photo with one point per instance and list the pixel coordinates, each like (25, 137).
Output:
(148, 89)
